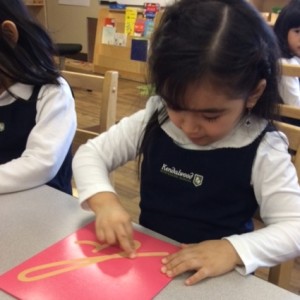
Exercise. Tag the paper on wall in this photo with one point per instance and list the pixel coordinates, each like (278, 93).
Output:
(75, 2)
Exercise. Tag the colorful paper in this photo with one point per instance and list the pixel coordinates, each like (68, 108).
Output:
(108, 35)
(79, 267)
(150, 10)
(139, 27)
(110, 22)
(120, 39)
(130, 18)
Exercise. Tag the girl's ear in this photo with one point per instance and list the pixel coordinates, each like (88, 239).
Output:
(256, 93)
(10, 32)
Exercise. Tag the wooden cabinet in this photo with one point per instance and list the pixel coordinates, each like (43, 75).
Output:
(110, 57)
(38, 9)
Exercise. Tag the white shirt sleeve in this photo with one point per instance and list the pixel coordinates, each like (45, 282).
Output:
(105, 153)
(289, 86)
(278, 194)
(111, 149)
(47, 144)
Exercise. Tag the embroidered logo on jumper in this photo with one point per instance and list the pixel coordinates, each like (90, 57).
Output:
(191, 177)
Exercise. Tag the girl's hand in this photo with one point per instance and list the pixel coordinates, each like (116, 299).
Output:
(113, 223)
(208, 259)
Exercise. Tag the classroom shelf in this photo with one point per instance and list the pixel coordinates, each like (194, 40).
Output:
(38, 10)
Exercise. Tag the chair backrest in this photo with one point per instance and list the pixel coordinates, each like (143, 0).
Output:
(107, 85)
(290, 70)
(292, 132)
(289, 111)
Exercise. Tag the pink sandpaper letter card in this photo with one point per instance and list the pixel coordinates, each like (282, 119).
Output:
(79, 267)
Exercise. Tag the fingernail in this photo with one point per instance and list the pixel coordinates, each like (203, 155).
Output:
(164, 269)
(164, 260)
(169, 273)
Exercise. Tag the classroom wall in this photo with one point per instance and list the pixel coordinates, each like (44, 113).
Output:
(68, 23)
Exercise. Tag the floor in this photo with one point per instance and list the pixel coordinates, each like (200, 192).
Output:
(126, 177)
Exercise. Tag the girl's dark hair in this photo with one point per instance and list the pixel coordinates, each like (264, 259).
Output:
(288, 18)
(30, 61)
(223, 41)
(226, 42)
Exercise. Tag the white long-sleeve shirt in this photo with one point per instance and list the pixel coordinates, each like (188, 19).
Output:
(274, 181)
(49, 140)
(289, 86)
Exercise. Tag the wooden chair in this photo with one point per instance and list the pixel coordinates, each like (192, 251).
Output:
(290, 70)
(108, 86)
(281, 274)
(290, 115)
(289, 111)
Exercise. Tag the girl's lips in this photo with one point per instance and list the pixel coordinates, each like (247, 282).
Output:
(195, 137)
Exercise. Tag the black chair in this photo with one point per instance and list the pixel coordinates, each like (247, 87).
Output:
(64, 50)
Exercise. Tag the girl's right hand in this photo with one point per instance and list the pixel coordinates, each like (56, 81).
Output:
(113, 223)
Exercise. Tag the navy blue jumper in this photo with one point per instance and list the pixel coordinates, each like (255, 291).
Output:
(196, 195)
(18, 119)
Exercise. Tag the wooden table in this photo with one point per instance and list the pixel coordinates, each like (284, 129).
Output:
(32, 220)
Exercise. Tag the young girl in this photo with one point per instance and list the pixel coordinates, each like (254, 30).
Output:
(210, 155)
(287, 29)
(37, 115)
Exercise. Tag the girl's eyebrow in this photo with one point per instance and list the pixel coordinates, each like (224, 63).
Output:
(208, 110)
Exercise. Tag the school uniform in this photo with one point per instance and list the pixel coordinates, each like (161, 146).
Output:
(208, 191)
(192, 193)
(36, 131)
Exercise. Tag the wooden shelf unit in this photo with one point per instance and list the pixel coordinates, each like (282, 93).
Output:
(111, 57)
(38, 10)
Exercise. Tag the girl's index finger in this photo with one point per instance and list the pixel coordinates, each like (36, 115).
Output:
(126, 242)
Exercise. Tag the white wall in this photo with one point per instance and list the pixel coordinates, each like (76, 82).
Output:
(68, 23)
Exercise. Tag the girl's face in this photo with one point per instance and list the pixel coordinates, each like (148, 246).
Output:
(294, 41)
(210, 115)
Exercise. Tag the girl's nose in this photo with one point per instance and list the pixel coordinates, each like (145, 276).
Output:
(190, 127)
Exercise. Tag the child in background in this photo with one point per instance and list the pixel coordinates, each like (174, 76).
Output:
(37, 112)
(210, 153)
(287, 30)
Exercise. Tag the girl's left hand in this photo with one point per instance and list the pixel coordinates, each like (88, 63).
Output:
(208, 259)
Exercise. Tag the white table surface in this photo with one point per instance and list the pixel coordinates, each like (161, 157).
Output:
(34, 219)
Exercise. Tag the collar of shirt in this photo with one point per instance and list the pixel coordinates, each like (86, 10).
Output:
(240, 136)
(295, 60)
(18, 89)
